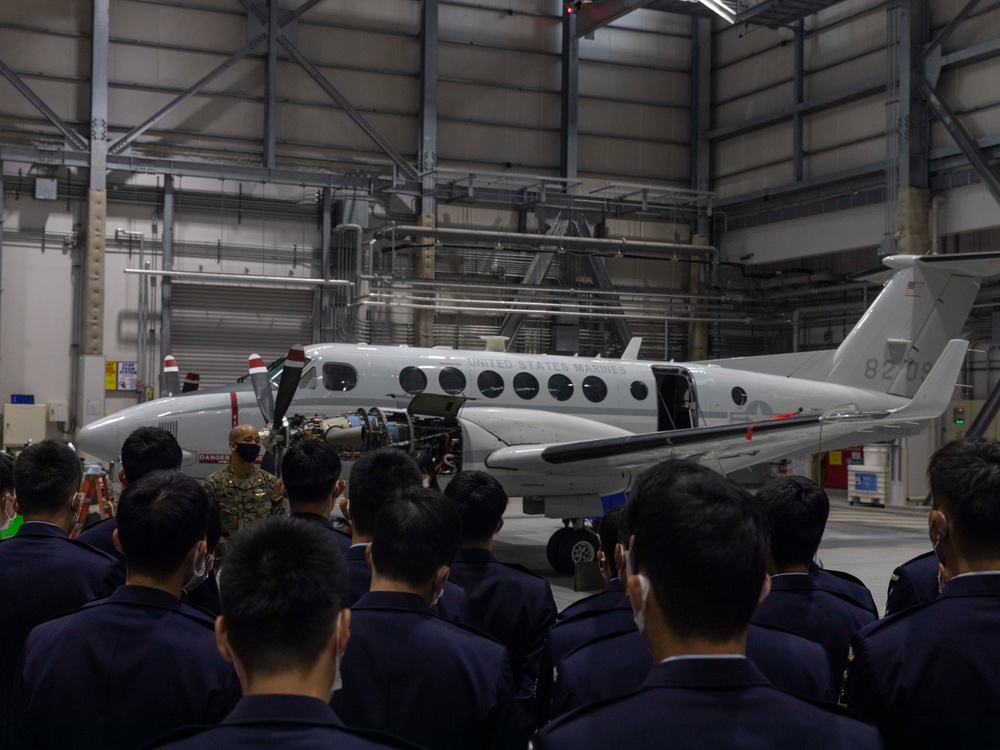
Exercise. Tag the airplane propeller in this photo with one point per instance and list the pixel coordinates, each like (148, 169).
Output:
(191, 382)
(274, 411)
(171, 375)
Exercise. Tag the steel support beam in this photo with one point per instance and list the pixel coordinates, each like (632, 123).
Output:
(913, 129)
(962, 138)
(599, 273)
(122, 143)
(324, 293)
(167, 265)
(948, 30)
(701, 110)
(1, 256)
(424, 258)
(974, 54)
(99, 94)
(813, 105)
(592, 16)
(270, 83)
(536, 273)
(72, 137)
(798, 93)
(569, 128)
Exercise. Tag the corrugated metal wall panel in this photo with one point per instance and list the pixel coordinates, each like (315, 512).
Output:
(215, 328)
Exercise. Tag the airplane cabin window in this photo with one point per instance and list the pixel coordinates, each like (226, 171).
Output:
(452, 380)
(560, 387)
(595, 389)
(639, 390)
(412, 380)
(338, 376)
(526, 385)
(490, 383)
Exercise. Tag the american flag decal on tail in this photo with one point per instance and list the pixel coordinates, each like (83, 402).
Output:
(914, 288)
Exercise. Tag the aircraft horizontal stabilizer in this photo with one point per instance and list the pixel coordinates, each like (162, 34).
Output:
(935, 393)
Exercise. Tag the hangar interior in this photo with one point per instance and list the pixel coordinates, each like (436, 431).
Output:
(567, 175)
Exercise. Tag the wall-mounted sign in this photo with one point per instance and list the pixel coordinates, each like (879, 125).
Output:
(121, 376)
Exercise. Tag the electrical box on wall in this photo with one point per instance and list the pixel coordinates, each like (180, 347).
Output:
(23, 424)
(58, 411)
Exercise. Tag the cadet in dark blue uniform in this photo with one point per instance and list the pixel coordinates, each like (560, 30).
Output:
(844, 585)
(42, 571)
(796, 510)
(929, 676)
(310, 480)
(511, 603)
(912, 583)
(612, 594)
(699, 560)
(204, 592)
(145, 450)
(440, 684)
(375, 477)
(149, 660)
(285, 626)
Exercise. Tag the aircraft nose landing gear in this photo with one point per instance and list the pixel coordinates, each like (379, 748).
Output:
(570, 545)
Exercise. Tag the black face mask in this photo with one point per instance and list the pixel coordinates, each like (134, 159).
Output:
(248, 451)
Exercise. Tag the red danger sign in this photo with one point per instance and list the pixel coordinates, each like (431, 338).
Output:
(213, 458)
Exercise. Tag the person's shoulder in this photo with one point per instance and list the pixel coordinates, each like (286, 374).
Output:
(516, 570)
(93, 554)
(264, 477)
(915, 564)
(223, 735)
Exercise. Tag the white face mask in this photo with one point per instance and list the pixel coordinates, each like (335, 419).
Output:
(199, 572)
(338, 681)
(439, 593)
(640, 615)
(10, 518)
(427, 482)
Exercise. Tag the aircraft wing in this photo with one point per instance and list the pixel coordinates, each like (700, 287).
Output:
(730, 447)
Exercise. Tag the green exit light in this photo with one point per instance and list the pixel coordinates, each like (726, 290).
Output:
(958, 415)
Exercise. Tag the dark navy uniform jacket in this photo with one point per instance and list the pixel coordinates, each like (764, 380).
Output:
(515, 606)
(343, 540)
(288, 722)
(451, 605)
(206, 595)
(585, 627)
(707, 703)
(44, 573)
(844, 584)
(608, 597)
(929, 677)
(440, 684)
(617, 664)
(914, 582)
(99, 536)
(120, 672)
(798, 605)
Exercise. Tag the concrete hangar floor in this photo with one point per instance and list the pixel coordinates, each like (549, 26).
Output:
(866, 542)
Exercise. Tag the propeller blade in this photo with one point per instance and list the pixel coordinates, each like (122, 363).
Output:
(171, 376)
(261, 387)
(290, 376)
(191, 382)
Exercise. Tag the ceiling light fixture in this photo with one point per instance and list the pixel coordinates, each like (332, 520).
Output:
(720, 9)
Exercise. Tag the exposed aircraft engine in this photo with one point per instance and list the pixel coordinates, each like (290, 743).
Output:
(357, 432)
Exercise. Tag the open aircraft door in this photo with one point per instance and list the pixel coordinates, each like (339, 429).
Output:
(676, 398)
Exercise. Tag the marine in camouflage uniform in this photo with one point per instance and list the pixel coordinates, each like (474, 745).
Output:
(243, 493)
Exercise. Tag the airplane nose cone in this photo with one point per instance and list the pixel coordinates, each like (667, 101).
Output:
(101, 438)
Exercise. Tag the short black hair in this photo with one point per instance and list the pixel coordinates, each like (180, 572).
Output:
(796, 510)
(964, 476)
(149, 449)
(6, 472)
(481, 502)
(46, 474)
(283, 586)
(702, 541)
(607, 532)
(416, 532)
(667, 472)
(375, 477)
(160, 518)
(310, 470)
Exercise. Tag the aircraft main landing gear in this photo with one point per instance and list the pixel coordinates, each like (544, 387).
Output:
(572, 544)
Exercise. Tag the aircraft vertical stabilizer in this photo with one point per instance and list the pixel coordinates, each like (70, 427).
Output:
(921, 307)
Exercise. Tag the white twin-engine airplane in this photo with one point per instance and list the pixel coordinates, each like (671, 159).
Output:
(563, 432)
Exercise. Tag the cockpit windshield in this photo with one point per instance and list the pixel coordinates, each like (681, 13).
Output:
(274, 371)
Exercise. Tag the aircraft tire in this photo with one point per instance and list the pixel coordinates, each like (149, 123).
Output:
(552, 549)
(576, 546)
